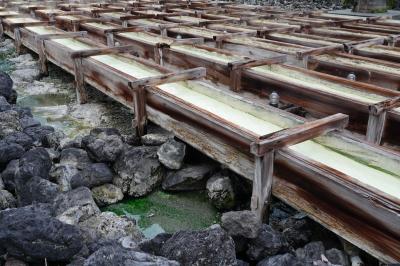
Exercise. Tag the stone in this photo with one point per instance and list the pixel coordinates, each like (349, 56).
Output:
(35, 162)
(9, 152)
(281, 260)
(107, 194)
(139, 171)
(311, 252)
(297, 230)
(267, 243)
(62, 175)
(93, 175)
(154, 139)
(20, 138)
(212, 246)
(27, 74)
(75, 157)
(190, 177)
(6, 88)
(154, 245)
(220, 192)
(171, 154)
(75, 206)
(337, 257)
(15, 262)
(31, 234)
(54, 139)
(241, 223)
(7, 200)
(117, 255)
(53, 154)
(8, 175)
(103, 145)
(27, 122)
(38, 133)
(2, 186)
(109, 226)
(9, 123)
(36, 189)
(4, 105)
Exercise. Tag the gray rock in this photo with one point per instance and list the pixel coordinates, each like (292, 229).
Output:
(241, 223)
(7, 200)
(311, 252)
(38, 133)
(35, 162)
(212, 246)
(139, 171)
(117, 255)
(2, 186)
(75, 157)
(8, 175)
(27, 74)
(31, 234)
(220, 191)
(154, 139)
(15, 262)
(4, 105)
(107, 194)
(9, 123)
(27, 121)
(62, 175)
(337, 257)
(171, 154)
(54, 139)
(109, 226)
(53, 154)
(20, 138)
(154, 245)
(297, 230)
(103, 145)
(93, 175)
(10, 151)
(36, 189)
(75, 206)
(267, 243)
(6, 88)
(281, 260)
(190, 177)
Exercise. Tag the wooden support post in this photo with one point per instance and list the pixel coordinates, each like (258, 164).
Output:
(1, 29)
(75, 26)
(42, 57)
(262, 184)
(125, 23)
(79, 81)
(139, 100)
(377, 118)
(110, 39)
(158, 55)
(235, 79)
(17, 40)
(375, 127)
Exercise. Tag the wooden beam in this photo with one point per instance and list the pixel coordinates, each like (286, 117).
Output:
(385, 105)
(194, 73)
(139, 101)
(55, 36)
(297, 134)
(42, 57)
(247, 63)
(80, 81)
(101, 51)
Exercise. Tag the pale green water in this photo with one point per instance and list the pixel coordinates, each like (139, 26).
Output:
(166, 212)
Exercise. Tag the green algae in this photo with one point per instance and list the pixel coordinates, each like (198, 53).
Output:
(173, 212)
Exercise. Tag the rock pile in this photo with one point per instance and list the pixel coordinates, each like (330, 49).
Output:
(300, 5)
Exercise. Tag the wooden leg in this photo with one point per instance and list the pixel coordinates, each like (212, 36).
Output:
(110, 39)
(1, 30)
(42, 58)
(17, 39)
(125, 23)
(158, 55)
(235, 79)
(376, 125)
(140, 122)
(75, 26)
(80, 81)
(262, 184)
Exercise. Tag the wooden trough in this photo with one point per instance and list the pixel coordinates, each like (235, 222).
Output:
(342, 182)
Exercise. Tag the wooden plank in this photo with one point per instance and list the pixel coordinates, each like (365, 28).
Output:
(80, 81)
(55, 36)
(247, 63)
(385, 105)
(101, 51)
(375, 127)
(195, 73)
(297, 134)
